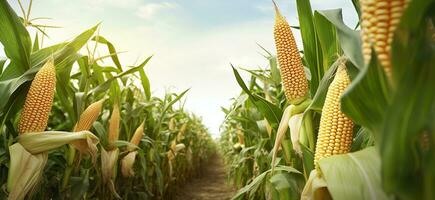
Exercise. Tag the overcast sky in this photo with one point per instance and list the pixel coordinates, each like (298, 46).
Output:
(193, 41)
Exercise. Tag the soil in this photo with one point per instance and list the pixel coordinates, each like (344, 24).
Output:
(212, 184)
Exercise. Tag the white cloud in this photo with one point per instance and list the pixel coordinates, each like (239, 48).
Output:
(147, 11)
(101, 4)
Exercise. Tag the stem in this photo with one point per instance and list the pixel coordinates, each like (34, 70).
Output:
(309, 131)
(70, 160)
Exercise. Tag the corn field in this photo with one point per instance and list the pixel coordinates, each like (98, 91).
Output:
(85, 130)
(350, 114)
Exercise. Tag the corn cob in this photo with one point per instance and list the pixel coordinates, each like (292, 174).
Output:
(293, 76)
(171, 124)
(335, 133)
(39, 99)
(137, 136)
(88, 117)
(379, 21)
(114, 124)
(240, 136)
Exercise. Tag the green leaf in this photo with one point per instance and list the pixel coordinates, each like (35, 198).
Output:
(308, 160)
(36, 43)
(350, 40)
(329, 44)
(111, 48)
(106, 84)
(144, 80)
(312, 50)
(16, 41)
(64, 56)
(289, 185)
(79, 185)
(367, 95)
(354, 175)
(2, 64)
(357, 7)
(270, 111)
(320, 96)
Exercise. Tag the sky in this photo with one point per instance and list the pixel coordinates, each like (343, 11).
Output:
(193, 41)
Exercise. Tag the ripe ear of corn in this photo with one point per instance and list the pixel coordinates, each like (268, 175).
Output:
(39, 99)
(293, 76)
(89, 116)
(379, 21)
(180, 135)
(336, 129)
(240, 136)
(128, 161)
(137, 136)
(114, 124)
(34, 118)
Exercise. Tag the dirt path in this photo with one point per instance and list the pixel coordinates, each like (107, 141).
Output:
(212, 185)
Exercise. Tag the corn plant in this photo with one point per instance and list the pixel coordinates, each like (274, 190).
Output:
(73, 127)
(364, 129)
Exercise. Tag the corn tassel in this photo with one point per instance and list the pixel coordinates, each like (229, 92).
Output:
(293, 76)
(335, 132)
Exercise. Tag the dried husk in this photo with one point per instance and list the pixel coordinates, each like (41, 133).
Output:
(29, 156)
(127, 164)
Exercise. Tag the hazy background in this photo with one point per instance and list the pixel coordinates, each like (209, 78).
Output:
(193, 41)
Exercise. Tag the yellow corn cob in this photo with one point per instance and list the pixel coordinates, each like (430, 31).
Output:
(39, 99)
(88, 117)
(171, 124)
(114, 124)
(335, 133)
(240, 136)
(137, 136)
(293, 76)
(379, 21)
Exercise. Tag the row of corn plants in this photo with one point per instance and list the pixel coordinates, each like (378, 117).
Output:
(74, 127)
(351, 115)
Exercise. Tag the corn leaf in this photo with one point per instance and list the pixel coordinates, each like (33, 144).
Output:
(329, 44)
(272, 113)
(350, 40)
(354, 175)
(15, 40)
(312, 51)
(63, 57)
(112, 50)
